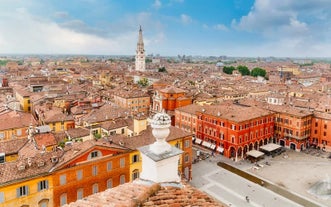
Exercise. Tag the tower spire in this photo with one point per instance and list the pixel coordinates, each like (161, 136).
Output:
(140, 52)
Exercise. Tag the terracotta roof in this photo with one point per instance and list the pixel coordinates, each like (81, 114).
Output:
(145, 193)
(77, 132)
(108, 125)
(34, 163)
(172, 89)
(146, 137)
(12, 146)
(16, 119)
(45, 139)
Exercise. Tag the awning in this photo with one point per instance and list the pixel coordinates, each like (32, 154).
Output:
(198, 141)
(206, 144)
(255, 153)
(212, 146)
(220, 149)
(270, 147)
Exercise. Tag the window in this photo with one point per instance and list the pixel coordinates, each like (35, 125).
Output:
(109, 183)
(19, 132)
(187, 143)
(95, 188)
(94, 154)
(109, 165)
(80, 193)
(122, 131)
(43, 203)
(94, 170)
(186, 158)
(2, 197)
(122, 162)
(122, 179)
(324, 133)
(2, 157)
(63, 199)
(2, 135)
(42, 185)
(177, 145)
(79, 174)
(135, 174)
(22, 191)
(221, 136)
(63, 179)
(135, 158)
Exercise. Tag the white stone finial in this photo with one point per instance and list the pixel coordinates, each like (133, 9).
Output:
(160, 124)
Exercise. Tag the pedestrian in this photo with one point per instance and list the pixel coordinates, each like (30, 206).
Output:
(247, 199)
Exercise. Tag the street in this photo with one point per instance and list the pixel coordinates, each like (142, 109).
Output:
(232, 189)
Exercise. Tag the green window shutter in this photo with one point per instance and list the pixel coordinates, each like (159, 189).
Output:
(18, 192)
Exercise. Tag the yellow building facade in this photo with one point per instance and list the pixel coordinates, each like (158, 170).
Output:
(35, 192)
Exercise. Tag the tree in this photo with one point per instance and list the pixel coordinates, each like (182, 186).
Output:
(243, 70)
(228, 69)
(162, 70)
(258, 72)
(143, 82)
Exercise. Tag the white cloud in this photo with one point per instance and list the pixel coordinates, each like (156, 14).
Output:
(185, 19)
(25, 33)
(61, 14)
(289, 27)
(221, 27)
(157, 4)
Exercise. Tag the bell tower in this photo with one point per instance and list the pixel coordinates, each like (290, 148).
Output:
(140, 52)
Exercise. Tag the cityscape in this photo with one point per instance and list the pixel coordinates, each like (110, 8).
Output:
(105, 103)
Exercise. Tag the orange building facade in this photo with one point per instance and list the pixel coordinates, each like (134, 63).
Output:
(293, 127)
(320, 131)
(169, 99)
(95, 170)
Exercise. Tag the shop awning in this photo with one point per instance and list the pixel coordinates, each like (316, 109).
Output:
(255, 153)
(270, 147)
(198, 141)
(220, 149)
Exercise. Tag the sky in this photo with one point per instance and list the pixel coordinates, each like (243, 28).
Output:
(249, 28)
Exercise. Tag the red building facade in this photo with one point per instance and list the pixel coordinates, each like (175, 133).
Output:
(233, 129)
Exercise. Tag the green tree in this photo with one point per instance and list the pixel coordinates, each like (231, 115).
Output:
(243, 70)
(228, 69)
(97, 136)
(143, 82)
(258, 72)
(162, 70)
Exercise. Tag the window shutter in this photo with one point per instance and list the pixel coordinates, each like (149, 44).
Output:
(46, 183)
(17, 192)
(26, 190)
(39, 186)
(2, 197)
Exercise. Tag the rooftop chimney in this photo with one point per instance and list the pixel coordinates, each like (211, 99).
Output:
(160, 159)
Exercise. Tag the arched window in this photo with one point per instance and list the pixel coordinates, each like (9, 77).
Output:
(43, 203)
(122, 179)
(63, 199)
(95, 188)
(110, 183)
(135, 174)
(94, 154)
(80, 193)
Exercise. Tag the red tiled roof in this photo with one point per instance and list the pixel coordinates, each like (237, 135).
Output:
(145, 193)
(16, 119)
